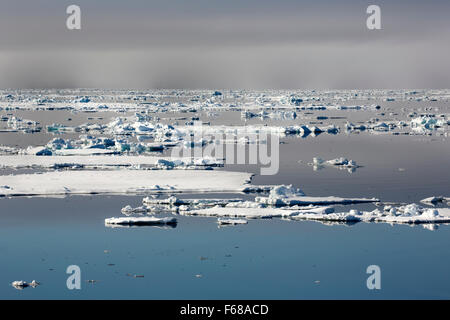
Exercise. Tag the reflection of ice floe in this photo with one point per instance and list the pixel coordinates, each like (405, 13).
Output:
(430, 226)
(134, 226)
(123, 182)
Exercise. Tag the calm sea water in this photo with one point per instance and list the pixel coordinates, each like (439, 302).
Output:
(266, 259)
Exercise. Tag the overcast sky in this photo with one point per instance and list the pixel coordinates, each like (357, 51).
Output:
(225, 44)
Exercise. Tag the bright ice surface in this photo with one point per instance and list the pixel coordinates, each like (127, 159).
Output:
(122, 182)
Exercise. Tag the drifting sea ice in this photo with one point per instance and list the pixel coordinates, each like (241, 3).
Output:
(140, 221)
(20, 284)
(222, 221)
(408, 214)
(422, 124)
(122, 182)
(341, 163)
(128, 210)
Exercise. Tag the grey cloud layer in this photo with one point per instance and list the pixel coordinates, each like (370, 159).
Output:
(323, 45)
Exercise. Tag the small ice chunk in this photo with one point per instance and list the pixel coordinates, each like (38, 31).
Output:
(140, 221)
(20, 284)
(129, 210)
(231, 221)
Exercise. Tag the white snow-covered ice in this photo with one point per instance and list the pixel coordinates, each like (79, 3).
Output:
(122, 182)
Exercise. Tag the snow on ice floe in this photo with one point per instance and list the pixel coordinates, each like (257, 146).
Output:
(256, 213)
(122, 182)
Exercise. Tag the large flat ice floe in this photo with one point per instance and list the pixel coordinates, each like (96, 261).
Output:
(257, 213)
(122, 182)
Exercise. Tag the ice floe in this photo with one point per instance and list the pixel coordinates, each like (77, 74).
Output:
(222, 221)
(341, 163)
(257, 213)
(408, 214)
(422, 124)
(20, 284)
(140, 221)
(122, 182)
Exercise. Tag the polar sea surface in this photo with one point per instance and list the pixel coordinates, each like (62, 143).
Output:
(263, 259)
